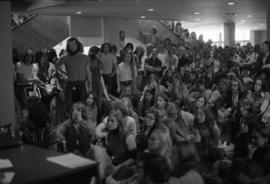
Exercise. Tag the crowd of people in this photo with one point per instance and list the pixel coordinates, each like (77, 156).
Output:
(181, 111)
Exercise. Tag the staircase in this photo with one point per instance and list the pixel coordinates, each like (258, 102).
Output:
(40, 32)
(163, 31)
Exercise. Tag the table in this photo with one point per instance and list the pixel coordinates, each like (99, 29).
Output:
(30, 166)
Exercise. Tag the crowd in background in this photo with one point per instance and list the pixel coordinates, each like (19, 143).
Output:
(182, 111)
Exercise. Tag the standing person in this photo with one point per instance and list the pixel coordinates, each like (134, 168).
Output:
(126, 72)
(109, 62)
(153, 65)
(77, 70)
(96, 68)
(263, 61)
(122, 39)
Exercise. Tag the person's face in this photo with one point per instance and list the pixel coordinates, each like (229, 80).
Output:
(258, 140)
(234, 86)
(148, 96)
(118, 114)
(264, 48)
(154, 53)
(201, 87)
(98, 55)
(182, 71)
(169, 73)
(258, 85)
(106, 48)
(182, 52)
(153, 142)
(200, 102)
(90, 100)
(125, 102)
(127, 58)
(192, 76)
(244, 108)
(222, 86)
(76, 114)
(160, 102)
(112, 123)
(73, 46)
(176, 82)
(150, 119)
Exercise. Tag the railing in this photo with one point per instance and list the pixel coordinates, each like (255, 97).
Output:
(170, 25)
(18, 20)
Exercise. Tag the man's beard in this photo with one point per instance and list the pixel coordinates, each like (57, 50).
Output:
(72, 53)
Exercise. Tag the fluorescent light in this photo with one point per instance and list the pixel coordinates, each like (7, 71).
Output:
(78, 12)
(151, 9)
(196, 13)
(231, 3)
(262, 24)
(250, 16)
(142, 17)
(243, 21)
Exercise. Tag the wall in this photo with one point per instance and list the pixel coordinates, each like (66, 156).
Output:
(112, 26)
(92, 30)
(7, 114)
(258, 36)
(85, 26)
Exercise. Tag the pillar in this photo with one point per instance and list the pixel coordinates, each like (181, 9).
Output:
(258, 36)
(229, 34)
(7, 109)
(268, 21)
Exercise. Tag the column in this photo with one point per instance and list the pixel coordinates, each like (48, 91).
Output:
(268, 21)
(229, 34)
(7, 110)
(258, 36)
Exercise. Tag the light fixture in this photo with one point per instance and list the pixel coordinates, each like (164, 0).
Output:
(78, 12)
(196, 13)
(250, 16)
(243, 21)
(231, 3)
(142, 17)
(151, 9)
(261, 24)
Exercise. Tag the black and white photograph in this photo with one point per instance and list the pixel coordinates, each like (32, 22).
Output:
(135, 92)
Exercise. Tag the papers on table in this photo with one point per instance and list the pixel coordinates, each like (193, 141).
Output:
(6, 177)
(70, 160)
(5, 163)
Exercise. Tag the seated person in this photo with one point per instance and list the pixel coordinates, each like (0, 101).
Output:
(38, 131)
(74, 132)
(127, 122)
(120, 145)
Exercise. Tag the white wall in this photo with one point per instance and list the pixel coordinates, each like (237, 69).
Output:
(7, 114)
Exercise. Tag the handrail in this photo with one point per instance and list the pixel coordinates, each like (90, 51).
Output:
(162, 23)
(26, 20)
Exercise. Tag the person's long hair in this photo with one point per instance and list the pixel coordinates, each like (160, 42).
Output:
(93, 52)
(131, 63)
(79, 46)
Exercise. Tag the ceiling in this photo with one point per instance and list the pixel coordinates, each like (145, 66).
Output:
(212, 12)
